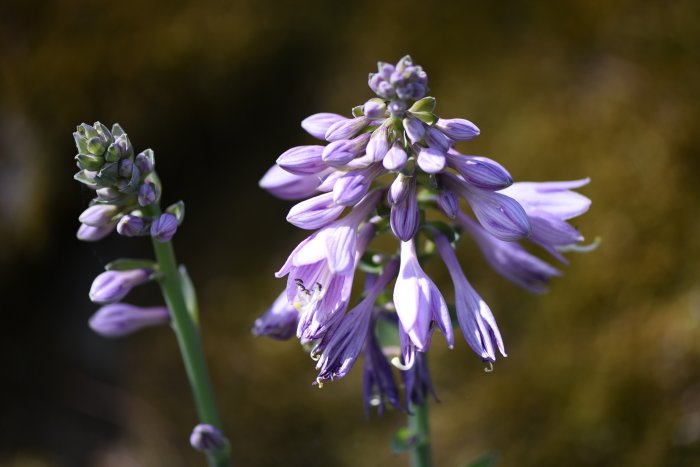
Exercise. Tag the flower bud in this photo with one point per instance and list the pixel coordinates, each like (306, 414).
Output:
(398, 189)
(96, 145)
(147, 194)
(121, 319)
(164, 227)
(374, 108)
(90, 162)
(98, 214)
(396, 158)
(457, 129)
(113, 153)
(145, 161)
(178, 210)
(112, 286)
(448, 202)
(89, 233)
(414, 128)
(207, 438)
(126, 167)
(317, 125)
(132, 226)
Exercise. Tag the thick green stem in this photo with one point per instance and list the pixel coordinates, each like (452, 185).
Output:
(190, 345)
(418, 424)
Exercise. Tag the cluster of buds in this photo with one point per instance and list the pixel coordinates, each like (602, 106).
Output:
(125, 184)
(381, 171)
(127, 196)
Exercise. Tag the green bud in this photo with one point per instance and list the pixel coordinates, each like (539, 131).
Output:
(90, 162)
(86, 131)
(85, 179)
(113, 153)
(125, 146)
(96, 145)
(103, 132)
(426, 117)
(427, 104)
(80, 143)
(117, 130)
(178, 210)
(108, 175)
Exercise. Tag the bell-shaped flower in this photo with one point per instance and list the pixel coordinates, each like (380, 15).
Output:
(418, 301)
(473, 314)
(379, 384)
(279, 321)
(343, 344)
(510, 259)
(500, 215)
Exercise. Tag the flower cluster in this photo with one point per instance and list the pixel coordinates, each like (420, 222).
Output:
(127, 193)
(380, 171)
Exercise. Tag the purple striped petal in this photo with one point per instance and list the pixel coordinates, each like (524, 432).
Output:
(479, 171)
(352, 186)
(457, 129)
(317, 125)
(414, 128)
(552, 197)
(302, 160)
(315, 212)
(346, 129)
(405, 216)
(284, 185)
(379, 143)
(436, 139)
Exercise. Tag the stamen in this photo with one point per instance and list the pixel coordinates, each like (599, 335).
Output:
(490, 367)
(396, 361)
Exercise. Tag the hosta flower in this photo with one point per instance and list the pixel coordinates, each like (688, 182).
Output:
(376, 173)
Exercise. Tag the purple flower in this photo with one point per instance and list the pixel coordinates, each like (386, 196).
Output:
(395, 158)
(374, 108)
(302, 160)
(404, 81)
(436, 139)
(509, 259)
(346, 129)
(285, 185)
(164, 227)
(431, 160)
(133, 226)
(121, 319)
(378, 381)
(88, 233)
(207, 438)
(399, 189)
(414, 128)
(473, 314)
(317, 125)
(98, 215)
(352, 186)
(418, 301)
(448, 202)
(500, 215)
(279, 321)
(343, 344)
(379, 143)
(405, 215)
(417, 382)
(549, 205)
(315, 212)
(112, 286)
(457, 129)
(480, 172)
(147, 194)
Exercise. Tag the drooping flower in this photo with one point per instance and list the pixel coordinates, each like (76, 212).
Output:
(382, 168)
(280, 321)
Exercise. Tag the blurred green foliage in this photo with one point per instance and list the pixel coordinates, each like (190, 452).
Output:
(603, 370)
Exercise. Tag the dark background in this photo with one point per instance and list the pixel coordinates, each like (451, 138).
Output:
(603, 370)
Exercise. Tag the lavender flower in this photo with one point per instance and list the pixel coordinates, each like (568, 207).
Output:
(207, 438)
(164, 227)
(280, 321)
(112, 286)
(89, 233)
(389, 163)
(121, 319)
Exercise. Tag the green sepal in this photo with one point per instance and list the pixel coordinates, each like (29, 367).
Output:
(189, 293)
(151, 156)
(117, 130)
(86, 131)
(103, 132)
(113, 153)
(426, 117)
(368, 264)
(80, 143)
(357, 111)
(90, 162)
(82, 178)
(108, 175)
(96, 145)
(487, 460)
(134, 181)
(427, 104)
(127, 264)
(178, 210)
(403, 440)
(123, 140)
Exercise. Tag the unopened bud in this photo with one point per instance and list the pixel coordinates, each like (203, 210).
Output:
(164, 227)
(207, 438)
(121, 319)
(132, 226)
(112, 286)
(89, 233)
(147, 194)
(98, 214)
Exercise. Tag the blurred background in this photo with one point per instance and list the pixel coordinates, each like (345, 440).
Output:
(603, 370)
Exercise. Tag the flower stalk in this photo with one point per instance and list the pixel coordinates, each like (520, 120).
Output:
(418, 424)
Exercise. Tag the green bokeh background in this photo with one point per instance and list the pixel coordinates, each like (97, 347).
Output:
(603, 370)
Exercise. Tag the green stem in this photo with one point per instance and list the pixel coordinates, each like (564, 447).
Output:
(418, 424)
(190, 345)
